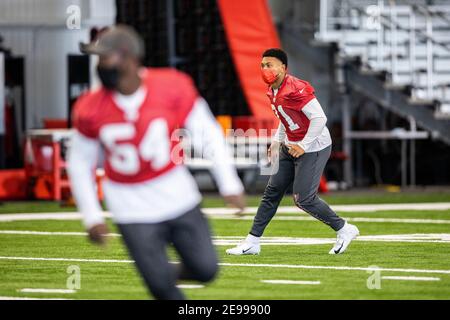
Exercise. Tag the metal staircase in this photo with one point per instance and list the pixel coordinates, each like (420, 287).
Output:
(407, 43)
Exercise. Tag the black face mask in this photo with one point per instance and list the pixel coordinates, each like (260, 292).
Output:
(109, 77)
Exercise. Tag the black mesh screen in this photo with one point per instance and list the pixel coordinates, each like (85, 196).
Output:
(201, 48)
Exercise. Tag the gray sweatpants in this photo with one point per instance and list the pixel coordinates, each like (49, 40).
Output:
(304, 172)
(190, 235)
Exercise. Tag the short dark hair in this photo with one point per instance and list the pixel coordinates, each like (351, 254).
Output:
(277, 53)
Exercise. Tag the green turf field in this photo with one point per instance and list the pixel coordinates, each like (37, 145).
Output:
(108, 274)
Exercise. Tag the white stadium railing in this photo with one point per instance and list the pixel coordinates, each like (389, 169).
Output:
(409, 40)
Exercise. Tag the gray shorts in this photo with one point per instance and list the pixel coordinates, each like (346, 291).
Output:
(304, 174)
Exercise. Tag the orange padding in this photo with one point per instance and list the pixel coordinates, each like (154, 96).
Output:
(226, 122)
(13, 184)
(250, 31)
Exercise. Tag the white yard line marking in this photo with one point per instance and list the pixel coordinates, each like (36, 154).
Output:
(231, 240)
(413, 238)
(23, 298)
(291, 282)
(274, 242)
(67, 260)
(344, 208)
(411, 278)
(190, 286)
(44, 216)
(34, 290)
(77, 216)
(250, 210)
(251, 265)
(49, 233)
(290, 266)
(392, 207)
(354, 219)
(399, 220)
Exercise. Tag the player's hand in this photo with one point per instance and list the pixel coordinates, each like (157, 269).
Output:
(295, 150)
(236, 201)
(97, 234)
(273, 151)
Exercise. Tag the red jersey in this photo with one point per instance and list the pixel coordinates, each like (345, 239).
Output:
(140, 149)
(288, 103)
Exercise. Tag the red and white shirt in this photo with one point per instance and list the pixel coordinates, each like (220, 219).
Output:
(302, 119)
(146, 181)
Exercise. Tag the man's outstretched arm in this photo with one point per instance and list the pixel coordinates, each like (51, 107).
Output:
(82, 162)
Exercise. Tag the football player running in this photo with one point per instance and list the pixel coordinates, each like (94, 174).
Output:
(153, 198)
(302, 146)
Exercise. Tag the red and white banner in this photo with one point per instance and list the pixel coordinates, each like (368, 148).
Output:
(250, 31)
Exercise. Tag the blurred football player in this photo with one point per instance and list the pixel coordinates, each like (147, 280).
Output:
(302, 146)
(153, 198)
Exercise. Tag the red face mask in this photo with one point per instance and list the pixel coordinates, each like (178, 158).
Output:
(269, 76)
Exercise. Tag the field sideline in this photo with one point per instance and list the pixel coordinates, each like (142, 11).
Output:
(406, 251)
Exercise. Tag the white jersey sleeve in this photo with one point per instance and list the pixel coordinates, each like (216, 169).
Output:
(82, 161)
(314, 112)
(207, 137)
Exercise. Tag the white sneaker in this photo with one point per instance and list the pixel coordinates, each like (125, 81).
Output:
(344, 237)
(245, 248)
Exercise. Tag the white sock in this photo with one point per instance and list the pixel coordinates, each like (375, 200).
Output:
(343, 228)
(252, 239)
